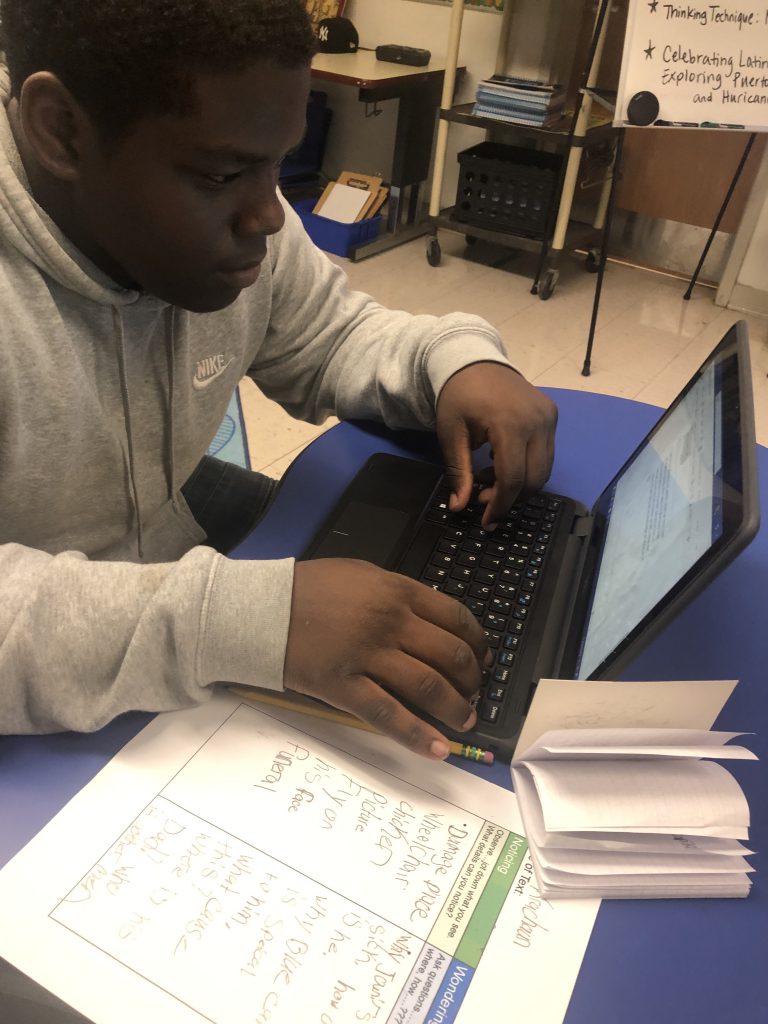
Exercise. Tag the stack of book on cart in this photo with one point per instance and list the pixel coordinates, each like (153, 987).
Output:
(520, 101)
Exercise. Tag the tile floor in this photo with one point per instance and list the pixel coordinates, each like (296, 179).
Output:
(649, 340)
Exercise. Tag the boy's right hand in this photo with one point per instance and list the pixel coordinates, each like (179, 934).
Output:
(361, 637)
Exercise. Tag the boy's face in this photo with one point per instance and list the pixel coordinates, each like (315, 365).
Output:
(182, 206)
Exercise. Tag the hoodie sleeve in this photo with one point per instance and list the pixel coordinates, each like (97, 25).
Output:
(83, 641)
(333, 351)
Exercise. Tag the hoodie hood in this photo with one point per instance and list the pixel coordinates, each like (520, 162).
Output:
(28, 228)
(25, 224)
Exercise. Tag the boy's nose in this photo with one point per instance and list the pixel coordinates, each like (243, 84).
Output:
(263, 215)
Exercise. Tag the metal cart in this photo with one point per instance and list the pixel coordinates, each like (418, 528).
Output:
(568, 137)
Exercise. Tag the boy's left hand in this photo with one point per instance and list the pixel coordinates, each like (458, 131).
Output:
(493, 403)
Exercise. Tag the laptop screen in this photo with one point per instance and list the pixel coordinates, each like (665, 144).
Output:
(678, 499)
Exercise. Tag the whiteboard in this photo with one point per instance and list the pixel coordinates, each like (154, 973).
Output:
(695, 65)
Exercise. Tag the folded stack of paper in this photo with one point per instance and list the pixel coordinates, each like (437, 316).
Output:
(352, 198)
(628, 813)
(520, 101)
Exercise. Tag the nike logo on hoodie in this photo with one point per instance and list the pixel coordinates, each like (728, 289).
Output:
(208, 369)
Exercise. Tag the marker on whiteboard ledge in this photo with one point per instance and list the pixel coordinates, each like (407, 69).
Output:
(677, 124)
(715, 124)
(472, 753)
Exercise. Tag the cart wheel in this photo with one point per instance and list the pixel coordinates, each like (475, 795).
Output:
(434, 254)
(470, 239)
(592, 261)
(547, 284)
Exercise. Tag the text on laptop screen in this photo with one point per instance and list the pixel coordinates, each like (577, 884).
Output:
(662, 513)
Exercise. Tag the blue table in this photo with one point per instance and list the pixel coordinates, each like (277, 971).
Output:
(647, 961)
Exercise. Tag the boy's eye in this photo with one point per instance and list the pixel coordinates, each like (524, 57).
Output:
(221, 179)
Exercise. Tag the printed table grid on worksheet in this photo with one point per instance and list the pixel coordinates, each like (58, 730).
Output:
(366, 899)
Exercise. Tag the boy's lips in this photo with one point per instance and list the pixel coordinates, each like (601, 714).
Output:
(244, 275)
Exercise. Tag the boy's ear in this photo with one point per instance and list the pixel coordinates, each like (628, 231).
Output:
(54, 123)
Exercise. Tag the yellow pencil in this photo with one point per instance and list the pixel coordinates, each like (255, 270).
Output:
(306, 706)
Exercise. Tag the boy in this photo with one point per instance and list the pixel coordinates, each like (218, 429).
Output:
(148, 262)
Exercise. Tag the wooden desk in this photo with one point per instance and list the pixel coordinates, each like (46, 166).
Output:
(419, 91)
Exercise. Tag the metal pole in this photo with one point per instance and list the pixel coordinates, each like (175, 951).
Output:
(560, 208)
(449, 84)
(581, 122)
(716, 225)
(604, 250)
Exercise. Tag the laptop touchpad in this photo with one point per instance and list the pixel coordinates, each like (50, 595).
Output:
(364, 531)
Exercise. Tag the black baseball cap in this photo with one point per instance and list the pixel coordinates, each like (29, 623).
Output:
(337, 35)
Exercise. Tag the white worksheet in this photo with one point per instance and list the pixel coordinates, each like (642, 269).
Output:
(232, 865)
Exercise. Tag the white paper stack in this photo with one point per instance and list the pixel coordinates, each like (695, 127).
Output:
(628, 813)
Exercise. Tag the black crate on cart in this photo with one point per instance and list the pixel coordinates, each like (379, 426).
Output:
(507, 188)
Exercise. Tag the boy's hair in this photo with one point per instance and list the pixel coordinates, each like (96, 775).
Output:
(125, 59)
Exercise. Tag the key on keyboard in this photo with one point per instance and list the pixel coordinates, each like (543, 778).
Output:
(495, 575)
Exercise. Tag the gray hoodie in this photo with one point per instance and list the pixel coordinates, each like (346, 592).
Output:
(108, 400)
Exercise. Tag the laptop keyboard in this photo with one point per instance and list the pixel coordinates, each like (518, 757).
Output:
(496, 575)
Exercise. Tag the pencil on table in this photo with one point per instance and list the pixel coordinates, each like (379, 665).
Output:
(316, 710)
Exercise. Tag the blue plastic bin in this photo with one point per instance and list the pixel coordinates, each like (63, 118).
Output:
(332, 236)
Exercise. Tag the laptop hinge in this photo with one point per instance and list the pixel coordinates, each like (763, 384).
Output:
(560, 619)
(583, 526)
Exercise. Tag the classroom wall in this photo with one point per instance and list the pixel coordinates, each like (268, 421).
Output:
(753, 270)
(744, 285)
(364, 143)
(424, 24)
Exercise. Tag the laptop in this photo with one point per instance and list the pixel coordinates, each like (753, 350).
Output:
(563, 591)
